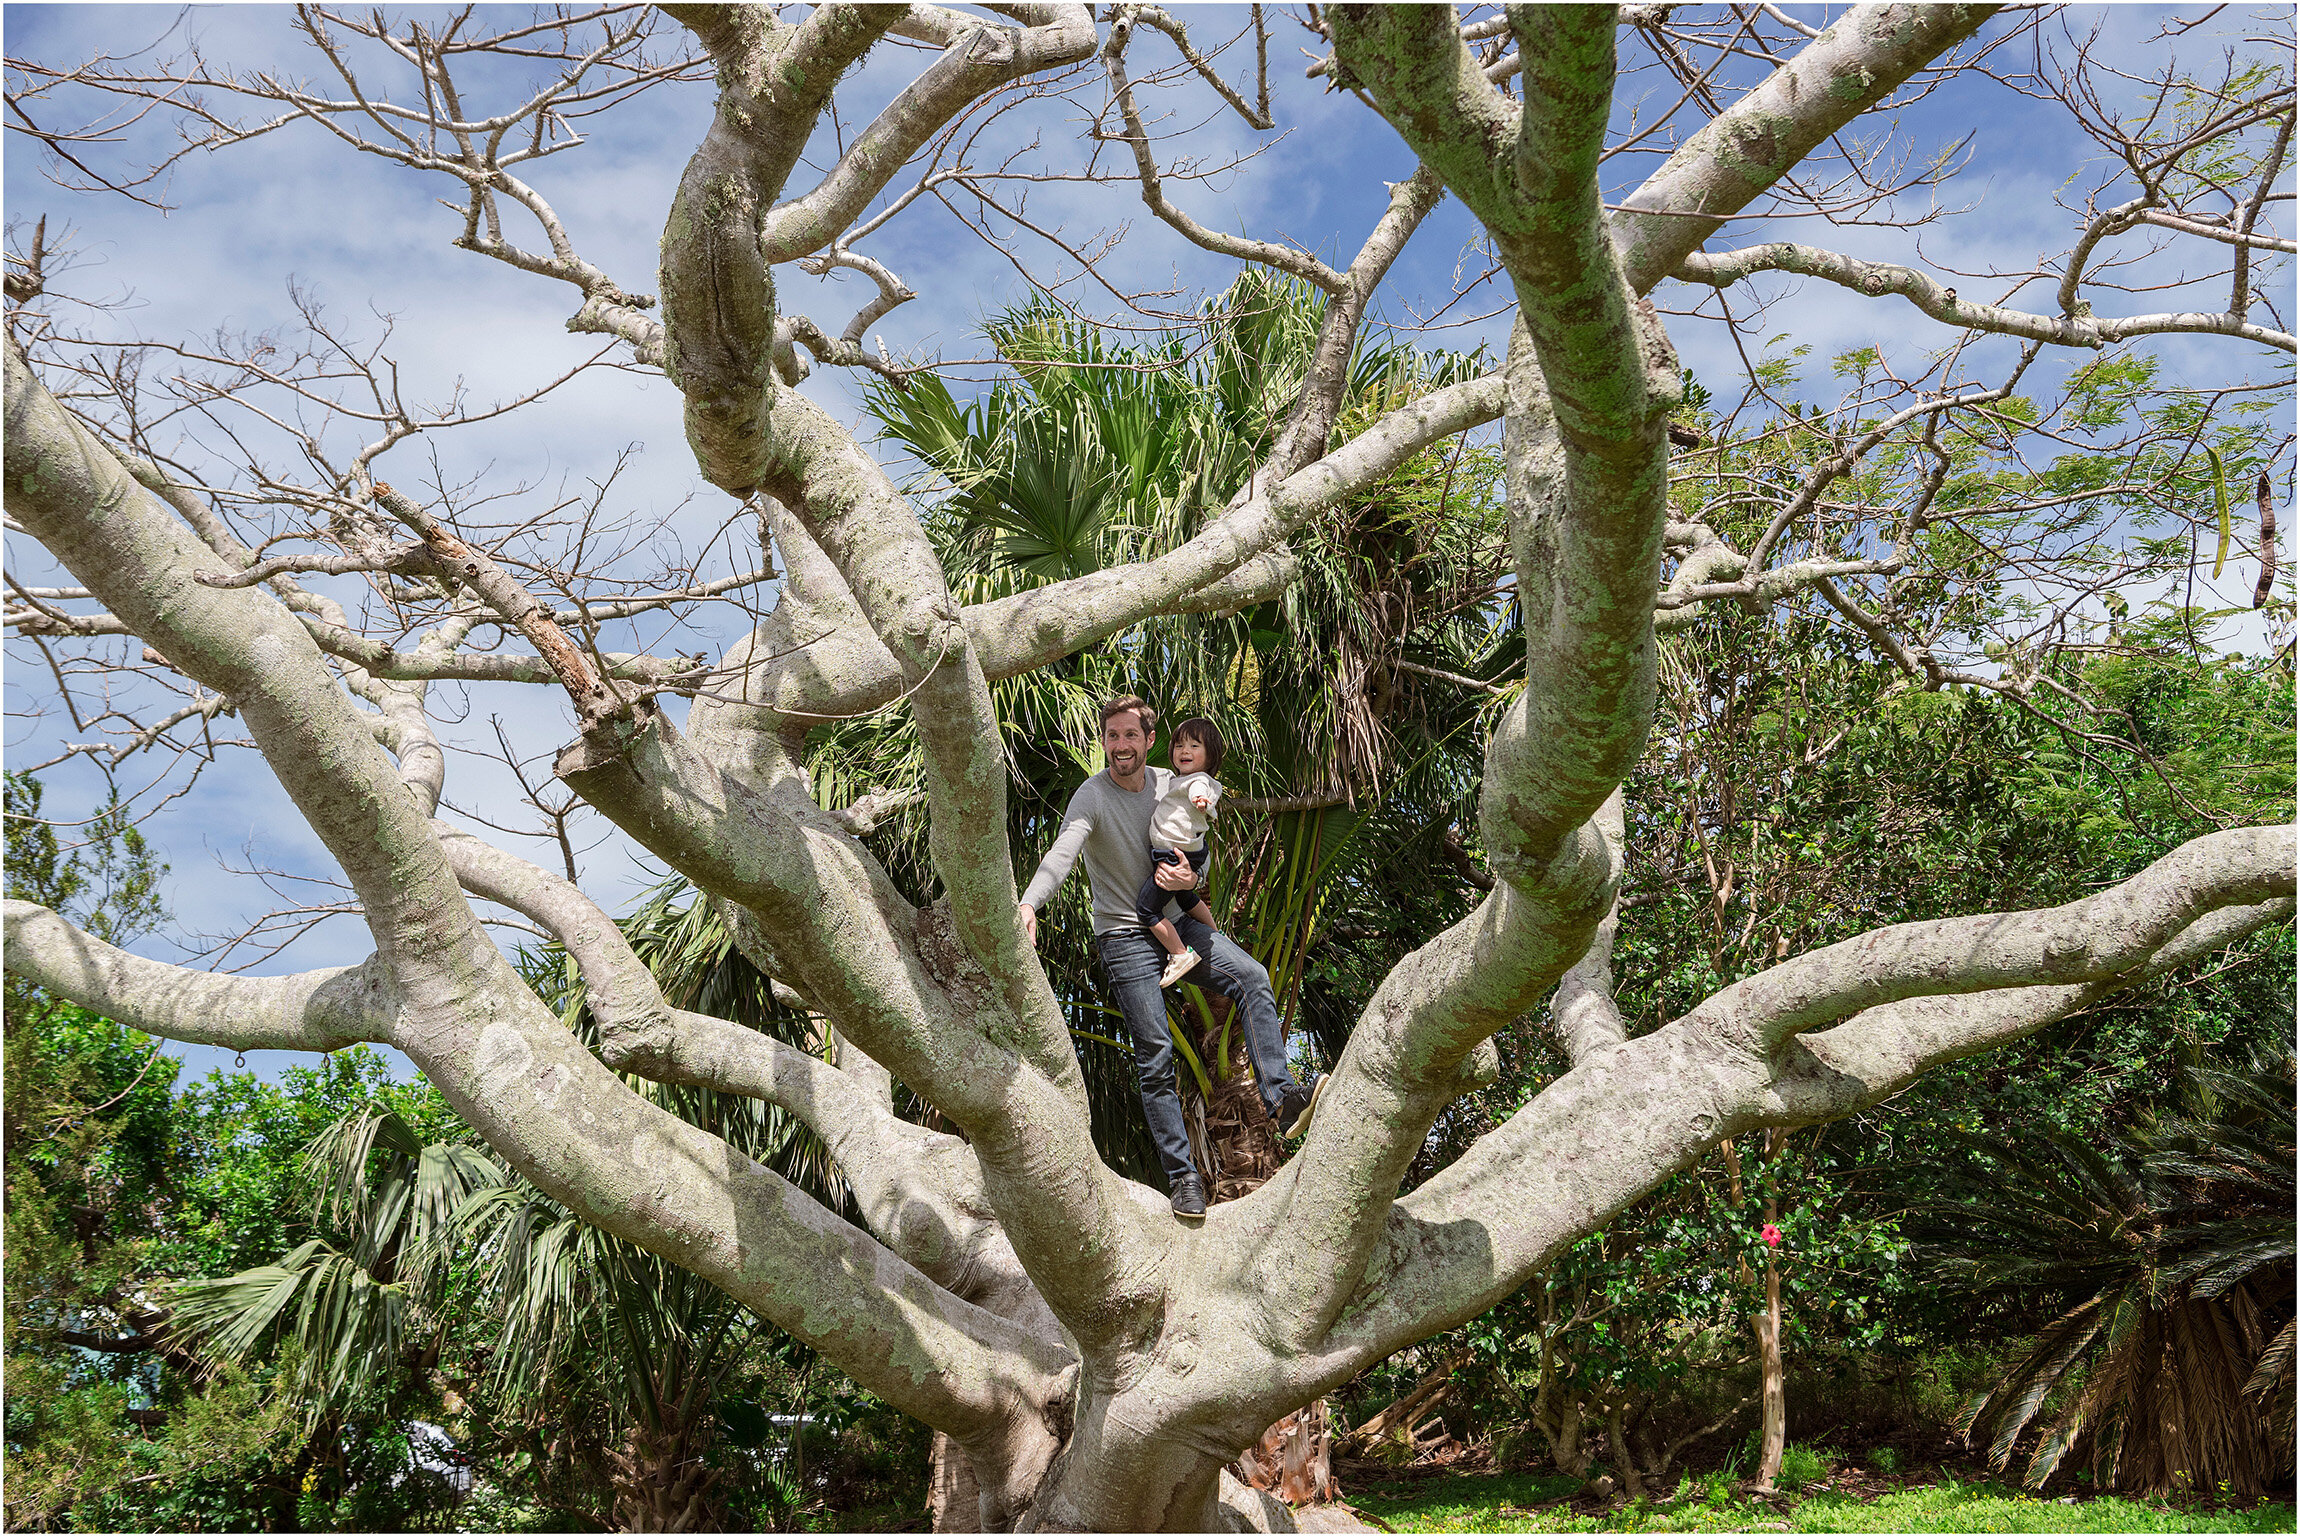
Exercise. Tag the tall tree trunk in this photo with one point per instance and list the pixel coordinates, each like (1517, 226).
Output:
(1774, 1411)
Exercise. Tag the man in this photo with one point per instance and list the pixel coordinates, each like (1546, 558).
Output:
(1109, 822)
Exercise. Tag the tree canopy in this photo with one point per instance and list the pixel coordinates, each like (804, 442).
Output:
(1663, 648)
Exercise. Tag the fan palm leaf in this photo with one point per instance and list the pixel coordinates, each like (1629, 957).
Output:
(359, 1307)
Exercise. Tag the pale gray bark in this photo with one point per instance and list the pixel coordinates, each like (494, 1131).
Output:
(1858, 60)
(311, 1011)
(1940, 301)
(2089, 941)
(1588, 1021)
(1092, 1362)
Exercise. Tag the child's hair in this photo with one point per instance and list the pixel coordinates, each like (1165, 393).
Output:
(1134, 704)
(1207, 735)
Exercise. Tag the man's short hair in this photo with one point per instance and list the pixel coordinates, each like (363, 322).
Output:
(1207, 735)
(1135, 703)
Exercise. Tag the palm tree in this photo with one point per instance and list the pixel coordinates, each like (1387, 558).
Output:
(1337, 696)
(592, 1351)
(591, 1325)
(364, 1314)
(2160, 1264)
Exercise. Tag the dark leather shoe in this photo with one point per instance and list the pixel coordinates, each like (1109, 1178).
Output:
(1189, 1198)
(1297, 1106)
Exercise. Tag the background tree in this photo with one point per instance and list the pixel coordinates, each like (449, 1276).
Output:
(119, 1184)
(1096, 1365)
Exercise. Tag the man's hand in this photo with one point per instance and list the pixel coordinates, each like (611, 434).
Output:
(1177, 877)
(1029, 917)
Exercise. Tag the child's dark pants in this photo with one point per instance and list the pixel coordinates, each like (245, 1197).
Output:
(1150, 902)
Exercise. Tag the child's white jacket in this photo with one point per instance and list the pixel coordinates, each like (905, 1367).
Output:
(1180, 822)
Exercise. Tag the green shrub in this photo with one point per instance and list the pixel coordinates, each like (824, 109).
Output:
(1800, 1465)
(1885, 1460)
(1516, 1446)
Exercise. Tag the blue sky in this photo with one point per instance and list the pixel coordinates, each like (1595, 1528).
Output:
(369, 240)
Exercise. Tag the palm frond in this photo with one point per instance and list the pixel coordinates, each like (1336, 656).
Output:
(2156, 1244)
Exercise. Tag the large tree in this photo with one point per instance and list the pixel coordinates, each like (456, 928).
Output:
(1094, 1362)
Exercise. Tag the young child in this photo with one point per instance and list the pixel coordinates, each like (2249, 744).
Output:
(1178, 836)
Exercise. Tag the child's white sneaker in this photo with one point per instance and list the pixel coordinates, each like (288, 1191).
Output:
(1178, 967)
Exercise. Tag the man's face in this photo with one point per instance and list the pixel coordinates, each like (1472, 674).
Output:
(1124, 744)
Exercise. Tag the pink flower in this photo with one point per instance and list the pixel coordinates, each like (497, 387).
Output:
(1771, 1235)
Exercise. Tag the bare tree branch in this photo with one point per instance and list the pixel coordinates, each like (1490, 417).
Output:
(2082, 329)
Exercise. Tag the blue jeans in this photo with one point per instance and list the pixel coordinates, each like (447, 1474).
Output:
(1131, 963)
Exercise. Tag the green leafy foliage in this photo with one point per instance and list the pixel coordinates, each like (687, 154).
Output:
(108, 882)
(1796, 793)
(1802, 1466)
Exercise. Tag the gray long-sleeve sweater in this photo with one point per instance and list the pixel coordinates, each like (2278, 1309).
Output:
(1111, 827)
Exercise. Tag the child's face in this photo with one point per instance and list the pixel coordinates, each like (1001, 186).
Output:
(1189, 755)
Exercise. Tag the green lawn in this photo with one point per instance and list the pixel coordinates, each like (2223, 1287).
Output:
(1520, 1502)
(1994, 1508)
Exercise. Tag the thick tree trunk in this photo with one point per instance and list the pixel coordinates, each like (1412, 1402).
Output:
(953, 1498)
(1158, 1485)
(1294, 1459)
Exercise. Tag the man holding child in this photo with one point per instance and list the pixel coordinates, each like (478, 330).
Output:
(1109, 822)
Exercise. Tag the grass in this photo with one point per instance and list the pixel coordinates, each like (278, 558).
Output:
(888, 1515)
(1536, 1502)
(1469, 1502)
(1955, 1507)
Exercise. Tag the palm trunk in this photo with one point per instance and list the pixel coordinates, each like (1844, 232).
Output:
(662, 1485)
